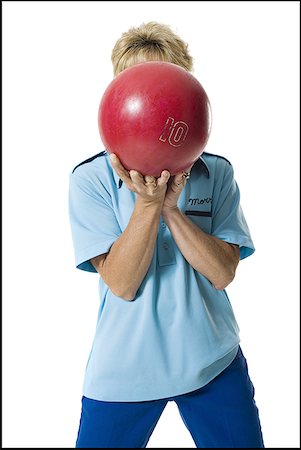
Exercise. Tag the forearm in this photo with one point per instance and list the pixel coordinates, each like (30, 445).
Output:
(208, 255)
(130, 256)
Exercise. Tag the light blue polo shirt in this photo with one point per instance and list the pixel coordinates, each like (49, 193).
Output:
(179, 332)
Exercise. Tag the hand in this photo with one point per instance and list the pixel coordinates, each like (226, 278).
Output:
(176, 185)
(148, 188)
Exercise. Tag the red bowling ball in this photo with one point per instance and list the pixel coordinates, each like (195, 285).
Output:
(154, 116)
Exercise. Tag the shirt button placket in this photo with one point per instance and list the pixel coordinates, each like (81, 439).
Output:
(165, 244)
(166, 253)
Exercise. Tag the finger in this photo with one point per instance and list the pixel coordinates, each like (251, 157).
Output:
(187, 170)
(149, 179)
(119, 169)
(179, 181)
(163, 179)
(136, 177)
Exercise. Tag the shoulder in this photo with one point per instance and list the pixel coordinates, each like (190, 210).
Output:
(218, 165)
(211, 156)
(88, 163)
(94, 172)
(94, 168)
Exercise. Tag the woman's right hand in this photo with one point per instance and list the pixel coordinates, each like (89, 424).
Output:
(148, 188)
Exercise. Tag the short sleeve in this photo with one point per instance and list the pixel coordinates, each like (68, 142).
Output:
(93, 222)
(228, 220)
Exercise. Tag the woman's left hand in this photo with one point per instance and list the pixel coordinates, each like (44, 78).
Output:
(175, 187)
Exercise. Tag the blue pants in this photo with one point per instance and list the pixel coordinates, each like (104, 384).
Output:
(222, 414)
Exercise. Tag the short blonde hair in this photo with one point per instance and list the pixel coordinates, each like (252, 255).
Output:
(150, 41)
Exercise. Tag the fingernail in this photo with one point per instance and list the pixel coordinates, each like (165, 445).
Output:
(112, 157)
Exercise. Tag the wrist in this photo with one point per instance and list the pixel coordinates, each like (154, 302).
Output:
(149, 204)
(169, 211)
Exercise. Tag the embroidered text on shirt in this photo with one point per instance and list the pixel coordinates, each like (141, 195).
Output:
(199, 201)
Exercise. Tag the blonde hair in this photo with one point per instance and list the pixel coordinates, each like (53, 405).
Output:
(150, 42)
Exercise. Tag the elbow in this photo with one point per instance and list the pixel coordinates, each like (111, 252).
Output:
(221, 286)
(223, 281)
(123, 292)
(128, 296)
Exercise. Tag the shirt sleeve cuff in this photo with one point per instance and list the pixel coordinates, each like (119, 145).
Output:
(82, 258)
(245, 244)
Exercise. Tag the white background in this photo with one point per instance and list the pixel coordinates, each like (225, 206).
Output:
(56, 65)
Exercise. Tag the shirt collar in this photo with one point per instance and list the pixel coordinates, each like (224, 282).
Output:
(118, 180)
(200, 164)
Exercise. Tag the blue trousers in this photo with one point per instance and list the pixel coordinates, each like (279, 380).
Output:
(221, 414)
